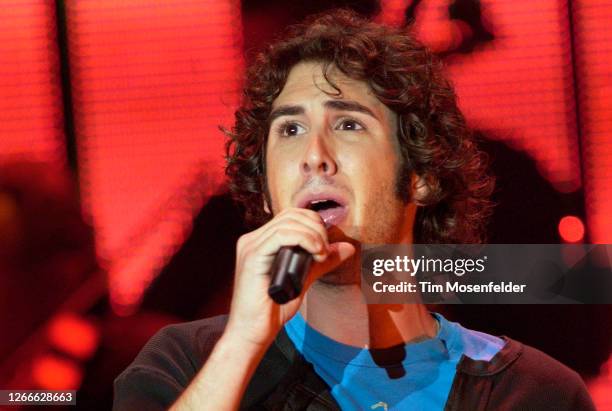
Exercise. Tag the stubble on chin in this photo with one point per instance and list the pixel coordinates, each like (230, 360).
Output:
(347, 273)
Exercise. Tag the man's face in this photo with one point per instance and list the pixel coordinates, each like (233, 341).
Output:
(338, 155)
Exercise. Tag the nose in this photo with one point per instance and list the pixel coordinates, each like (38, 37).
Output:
(318, 158)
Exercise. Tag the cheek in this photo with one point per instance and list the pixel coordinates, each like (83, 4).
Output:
(281, 179)
(373, 164)
(374, 185)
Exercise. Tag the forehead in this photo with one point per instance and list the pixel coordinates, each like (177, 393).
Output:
(306, 81)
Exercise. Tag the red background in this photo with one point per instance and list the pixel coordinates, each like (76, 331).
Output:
(125, 99)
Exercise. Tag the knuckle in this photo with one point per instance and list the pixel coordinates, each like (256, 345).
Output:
(311, 240)
(312, 213)
(284, 232)
(241, 244)
(284, 211)
(245, 252)
(242, 240)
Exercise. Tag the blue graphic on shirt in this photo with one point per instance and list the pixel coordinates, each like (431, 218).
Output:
(416, 376)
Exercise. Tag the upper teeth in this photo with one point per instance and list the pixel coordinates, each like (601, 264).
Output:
(318, 201)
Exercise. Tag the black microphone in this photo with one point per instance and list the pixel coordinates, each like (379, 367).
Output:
(288, 272)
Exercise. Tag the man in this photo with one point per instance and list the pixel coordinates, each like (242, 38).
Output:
(347, 135)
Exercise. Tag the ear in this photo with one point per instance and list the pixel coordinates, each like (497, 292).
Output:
(420, 190)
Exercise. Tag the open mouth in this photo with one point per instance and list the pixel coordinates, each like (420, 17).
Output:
(330, 211)
(321, 205)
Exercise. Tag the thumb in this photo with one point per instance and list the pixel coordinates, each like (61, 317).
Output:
(339, 252)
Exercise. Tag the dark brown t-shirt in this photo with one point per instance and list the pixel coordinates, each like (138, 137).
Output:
(518, 377)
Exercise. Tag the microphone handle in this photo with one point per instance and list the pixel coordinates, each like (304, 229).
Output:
(288, 272)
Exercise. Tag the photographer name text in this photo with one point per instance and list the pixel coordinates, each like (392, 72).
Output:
(448, 287)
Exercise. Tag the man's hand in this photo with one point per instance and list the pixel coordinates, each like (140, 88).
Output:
(254, 317)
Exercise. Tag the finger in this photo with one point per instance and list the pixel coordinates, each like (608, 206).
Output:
(299, 235)
(308, 217)
(310, 214)
(302, 214)
(301, 222)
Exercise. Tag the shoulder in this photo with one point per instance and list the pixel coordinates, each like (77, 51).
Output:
(476, 345)
(527, 377)
(184, 345)
(488, 355)
(167, 363)
(510, 375)
(196, 338)
(542, 370)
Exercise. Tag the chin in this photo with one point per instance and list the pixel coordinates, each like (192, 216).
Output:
(348, 234)
(348, 273)
(337, 280)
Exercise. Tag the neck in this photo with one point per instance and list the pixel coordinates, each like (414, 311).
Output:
(340, 313)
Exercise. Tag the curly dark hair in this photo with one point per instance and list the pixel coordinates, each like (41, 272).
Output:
(432, 133)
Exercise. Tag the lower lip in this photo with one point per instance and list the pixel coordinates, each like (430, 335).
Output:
(333, 216)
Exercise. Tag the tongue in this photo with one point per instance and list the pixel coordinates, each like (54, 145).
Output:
(332, 216)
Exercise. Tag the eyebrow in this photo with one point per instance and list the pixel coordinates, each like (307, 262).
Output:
(338, 105)
(285, 111)
(349, 105)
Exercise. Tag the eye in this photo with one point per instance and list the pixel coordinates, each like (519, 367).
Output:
(290, 129)
(349, 125)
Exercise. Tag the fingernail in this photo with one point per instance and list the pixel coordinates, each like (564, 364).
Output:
(325, 222)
